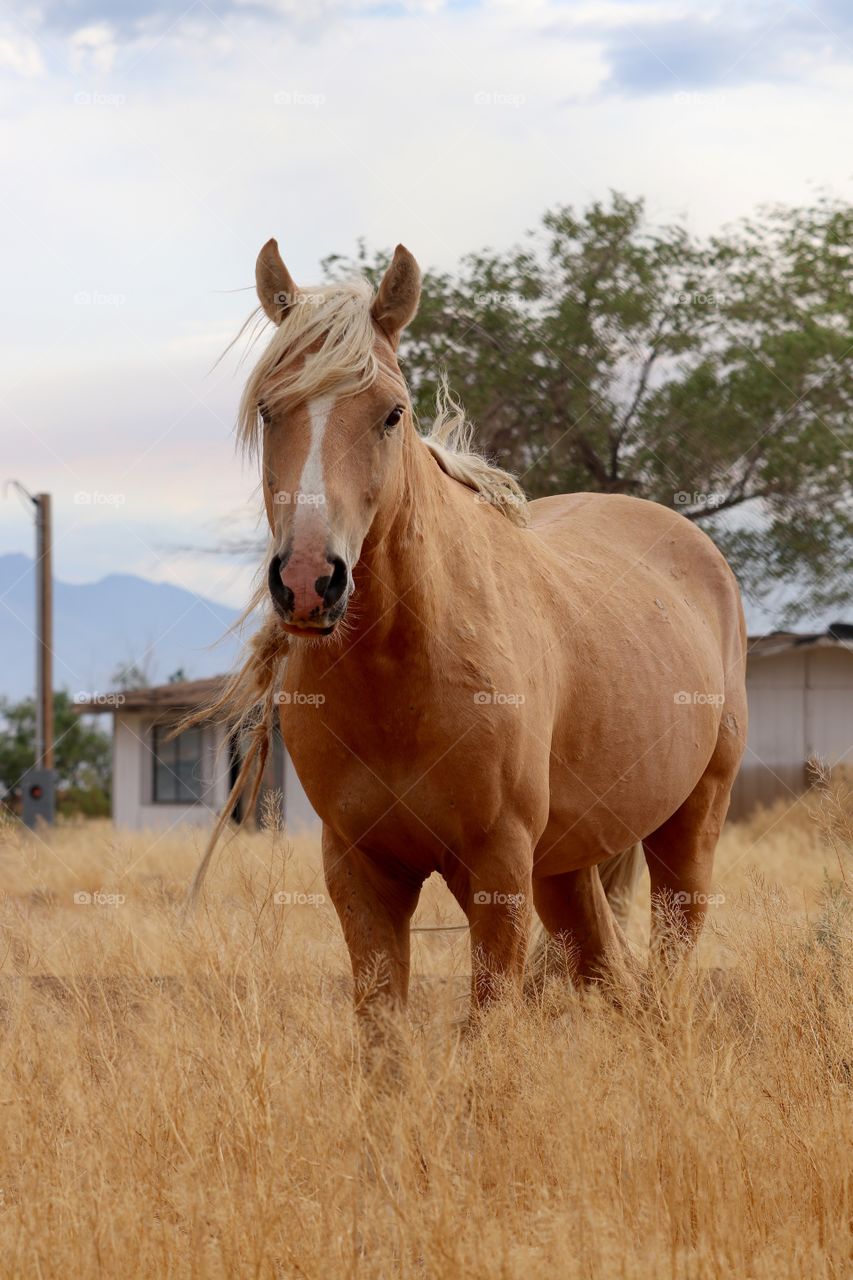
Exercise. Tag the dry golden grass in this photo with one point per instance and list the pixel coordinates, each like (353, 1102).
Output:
(187, 1102)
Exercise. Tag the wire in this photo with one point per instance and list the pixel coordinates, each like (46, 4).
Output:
(20, 490)
(436, 928)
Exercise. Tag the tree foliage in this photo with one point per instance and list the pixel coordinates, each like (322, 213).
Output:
(131, 675)
(82, 753)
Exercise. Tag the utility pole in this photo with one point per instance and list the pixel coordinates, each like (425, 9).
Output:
(44, 633)
(38, 785)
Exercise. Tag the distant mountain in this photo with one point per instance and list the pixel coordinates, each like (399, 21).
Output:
(100, 626)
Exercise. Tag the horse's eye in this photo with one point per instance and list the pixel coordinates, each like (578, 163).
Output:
(394, 416)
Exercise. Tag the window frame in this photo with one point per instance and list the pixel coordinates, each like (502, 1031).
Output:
(163, 727)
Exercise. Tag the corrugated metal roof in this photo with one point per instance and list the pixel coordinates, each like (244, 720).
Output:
(837, 636)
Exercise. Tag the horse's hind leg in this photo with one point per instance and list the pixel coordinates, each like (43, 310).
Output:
(586, 940)
(680, 854)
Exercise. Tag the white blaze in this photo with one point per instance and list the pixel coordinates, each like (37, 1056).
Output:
(311, 489)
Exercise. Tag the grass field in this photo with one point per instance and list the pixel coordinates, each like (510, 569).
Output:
(187, 1102)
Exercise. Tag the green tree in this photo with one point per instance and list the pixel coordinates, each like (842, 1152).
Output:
(131, 675)
(713, 376)
(82, 754)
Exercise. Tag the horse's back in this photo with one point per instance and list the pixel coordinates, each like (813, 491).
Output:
(618, 524)
(634, 547)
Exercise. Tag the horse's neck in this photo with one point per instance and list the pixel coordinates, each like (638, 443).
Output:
(403, 574)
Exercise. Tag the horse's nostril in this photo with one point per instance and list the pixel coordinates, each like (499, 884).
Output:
(282, 595)
(332, 587)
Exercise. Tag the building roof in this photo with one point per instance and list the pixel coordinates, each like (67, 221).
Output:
(839, 635)
(182, 695)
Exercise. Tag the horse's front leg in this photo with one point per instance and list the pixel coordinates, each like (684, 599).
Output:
(498, 903)
(375, 903)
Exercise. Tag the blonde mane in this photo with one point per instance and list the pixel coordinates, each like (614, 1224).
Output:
(450, 441)
(325, 342)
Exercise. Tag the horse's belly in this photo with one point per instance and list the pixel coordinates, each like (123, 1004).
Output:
(604, 799)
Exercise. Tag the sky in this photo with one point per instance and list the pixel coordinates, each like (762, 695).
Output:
(149, 150)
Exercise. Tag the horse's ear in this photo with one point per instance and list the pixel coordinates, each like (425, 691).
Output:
(276, 291)
(398, 296)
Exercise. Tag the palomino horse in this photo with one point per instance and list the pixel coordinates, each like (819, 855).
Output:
(509, 694)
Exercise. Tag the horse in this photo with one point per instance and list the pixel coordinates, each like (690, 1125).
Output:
(515, 695)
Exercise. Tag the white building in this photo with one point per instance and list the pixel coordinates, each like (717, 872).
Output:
(159, 781)
(800, 690)
(800, 693)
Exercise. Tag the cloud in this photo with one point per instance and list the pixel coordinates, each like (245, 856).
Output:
(650, 47)
(133, 17)
(20, 56)
(70, 16)
(697, 53)
(93, 48)
(667, 49)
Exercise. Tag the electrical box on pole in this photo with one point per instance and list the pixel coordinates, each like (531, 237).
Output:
(38, 796)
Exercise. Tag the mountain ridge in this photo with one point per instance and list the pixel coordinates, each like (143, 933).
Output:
(101, 626)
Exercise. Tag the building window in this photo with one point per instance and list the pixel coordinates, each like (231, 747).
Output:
(177, 765)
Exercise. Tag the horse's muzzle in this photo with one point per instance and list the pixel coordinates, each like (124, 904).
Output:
(309, 602)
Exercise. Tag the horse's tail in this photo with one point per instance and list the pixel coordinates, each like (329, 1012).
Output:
(246, 704)
(619, 878)
(256, 757)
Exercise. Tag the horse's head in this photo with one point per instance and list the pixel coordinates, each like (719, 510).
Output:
(331, 407)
